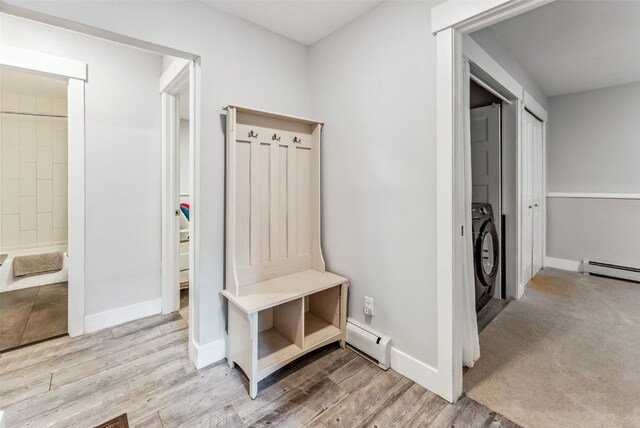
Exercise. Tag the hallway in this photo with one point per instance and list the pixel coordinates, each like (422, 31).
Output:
(564, 355)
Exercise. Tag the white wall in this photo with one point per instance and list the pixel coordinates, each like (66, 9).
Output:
(241, 64)
(34, 171)
(123, 161)
(373, 83)
(503, 56)
(593, 141)
(593, 147)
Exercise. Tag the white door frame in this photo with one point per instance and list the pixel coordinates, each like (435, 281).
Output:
(179, 72)
(75, 72)
(449, 21)
(176, 75)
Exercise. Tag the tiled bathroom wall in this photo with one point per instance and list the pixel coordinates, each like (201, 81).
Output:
(33, 205)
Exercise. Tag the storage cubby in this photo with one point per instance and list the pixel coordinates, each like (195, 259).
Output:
(321, 316)
(280, 333)
(282, 301)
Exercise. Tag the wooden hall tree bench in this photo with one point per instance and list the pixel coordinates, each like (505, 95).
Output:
(282, 301)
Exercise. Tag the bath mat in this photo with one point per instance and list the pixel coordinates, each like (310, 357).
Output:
(119, 422)
(37, 264)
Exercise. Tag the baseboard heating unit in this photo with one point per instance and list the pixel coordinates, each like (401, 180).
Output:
(369, 343)
(611, 270)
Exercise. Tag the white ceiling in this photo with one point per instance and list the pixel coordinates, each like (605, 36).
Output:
(27, 83)
(574, 46)
(305, 21)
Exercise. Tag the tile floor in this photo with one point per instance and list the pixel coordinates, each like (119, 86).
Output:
(32, 314)
(184, 304)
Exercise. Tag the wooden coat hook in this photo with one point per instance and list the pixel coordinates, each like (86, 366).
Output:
(253, 134)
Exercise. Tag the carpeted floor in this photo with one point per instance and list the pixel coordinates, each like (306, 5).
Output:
(566, 355)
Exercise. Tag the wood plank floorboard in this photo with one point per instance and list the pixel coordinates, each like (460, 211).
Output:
(143, 369)
(424, 411)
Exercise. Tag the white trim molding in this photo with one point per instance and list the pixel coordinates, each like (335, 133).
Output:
(473, 15)
(195, 312)
(419, 372)
(570, 265)
(121, 315)
(172, 76)
(11, 56)
(535, 107)
(204, 355)
(451, 13)
(570, 195)
(478, 56)
(449, 61)
(76, 204)
(25, 12)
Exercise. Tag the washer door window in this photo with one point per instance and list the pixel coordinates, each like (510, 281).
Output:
(487, 254)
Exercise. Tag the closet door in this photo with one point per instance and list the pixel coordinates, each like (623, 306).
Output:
(485, 157)
(527, 197)
(537, 196)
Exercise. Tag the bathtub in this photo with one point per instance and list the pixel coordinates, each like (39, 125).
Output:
(8, 282)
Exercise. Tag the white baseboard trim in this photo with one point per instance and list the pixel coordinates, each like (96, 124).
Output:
(563, 264)
(419, 372)
(520, 291)
(203, 355)
(121, 315)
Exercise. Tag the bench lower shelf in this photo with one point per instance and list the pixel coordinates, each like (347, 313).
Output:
(273, 347)
(266, 340)
(316, 329)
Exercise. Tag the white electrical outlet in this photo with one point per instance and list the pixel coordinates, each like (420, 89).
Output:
(368, 306)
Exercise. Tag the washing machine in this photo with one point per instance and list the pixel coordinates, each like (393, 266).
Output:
(486, 252)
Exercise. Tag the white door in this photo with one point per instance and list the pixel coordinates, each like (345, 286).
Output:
(485, 165)
(485, 156)
(527, 197)
(532, 196)
(537, 196)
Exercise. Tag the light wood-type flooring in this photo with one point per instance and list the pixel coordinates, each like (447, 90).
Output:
(142, 369)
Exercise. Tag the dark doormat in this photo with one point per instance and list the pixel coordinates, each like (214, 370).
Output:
(119, 422)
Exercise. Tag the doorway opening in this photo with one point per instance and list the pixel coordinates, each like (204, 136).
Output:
(486, 210)
(177, 86)
(34, 208)
(42, 197)
(184, 197)
(456, 332)
(507, 178)
(486, 200)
